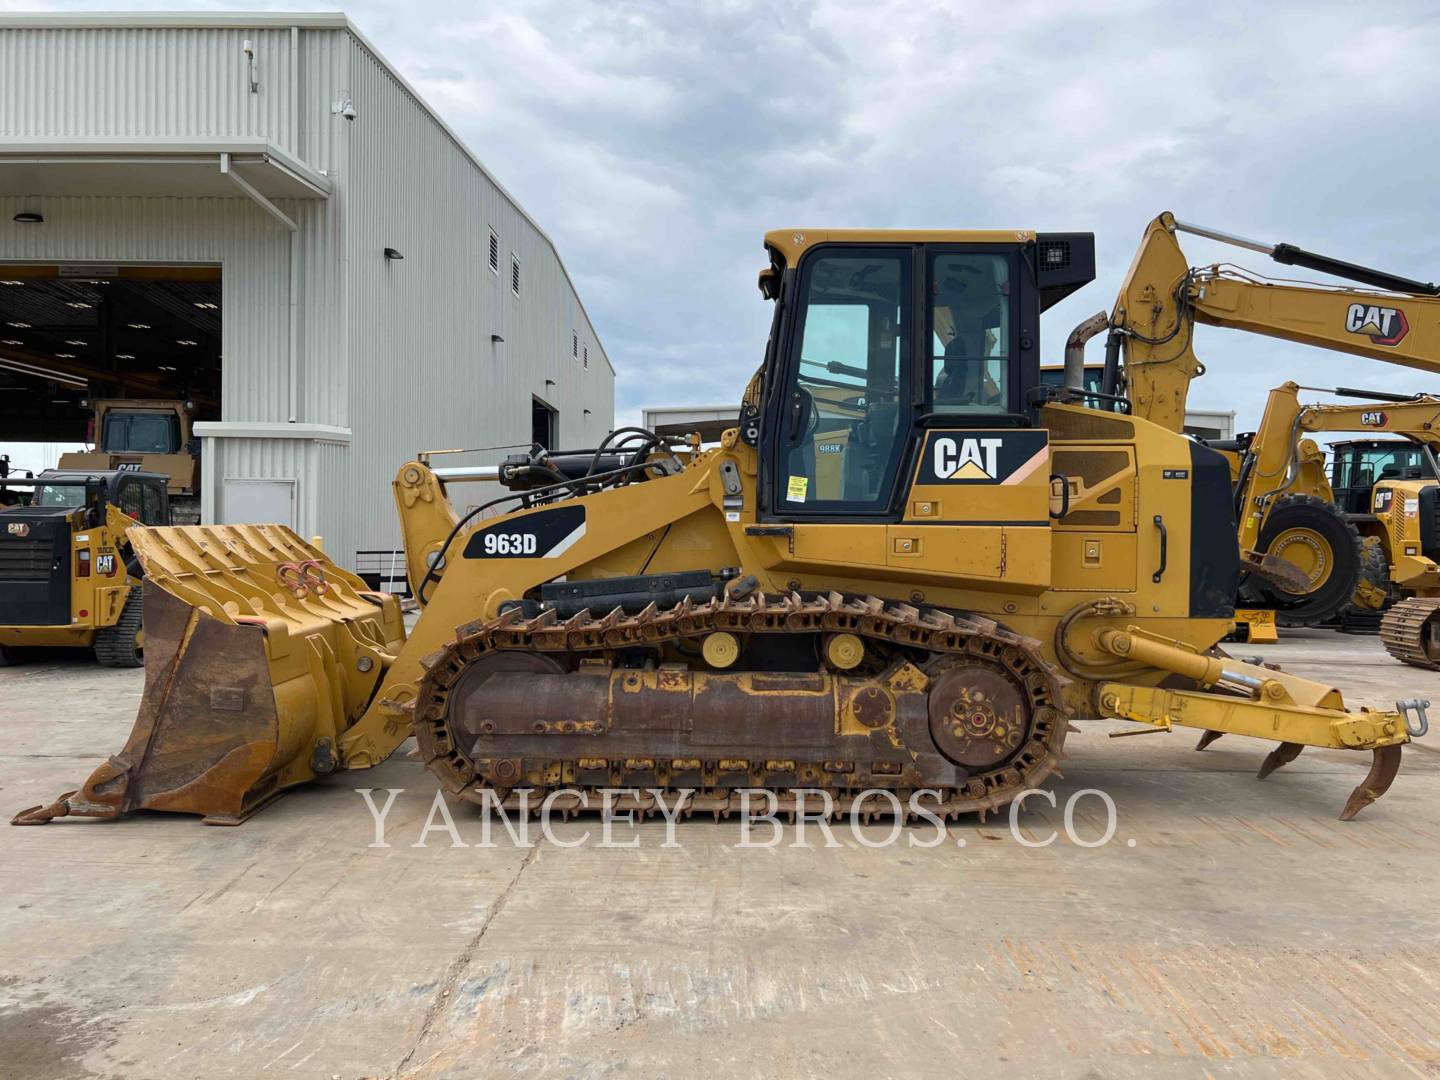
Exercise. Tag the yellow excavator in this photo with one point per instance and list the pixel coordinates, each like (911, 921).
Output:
(1302, 555)
(893, 586)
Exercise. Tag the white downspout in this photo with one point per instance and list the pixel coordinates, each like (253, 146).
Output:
(293, 373)
(295, 93)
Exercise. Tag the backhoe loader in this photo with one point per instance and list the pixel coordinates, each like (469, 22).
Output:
(1300, 553)
(898, 580)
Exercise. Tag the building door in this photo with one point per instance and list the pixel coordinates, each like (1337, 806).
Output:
(257, 502)
(544, 424)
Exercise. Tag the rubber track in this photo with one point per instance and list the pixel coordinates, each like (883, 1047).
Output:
(1403, 631)
(115, 645)
(937, 632)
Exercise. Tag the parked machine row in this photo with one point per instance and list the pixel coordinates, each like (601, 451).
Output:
(910, 566)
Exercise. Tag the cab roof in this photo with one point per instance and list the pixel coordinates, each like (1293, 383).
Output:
(792, 243)
(98, 474)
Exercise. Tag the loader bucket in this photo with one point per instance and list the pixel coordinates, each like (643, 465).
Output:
(259, 653)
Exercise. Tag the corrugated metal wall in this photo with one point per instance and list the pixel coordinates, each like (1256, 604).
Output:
(400, 352)
(145, 84)
(424, 371)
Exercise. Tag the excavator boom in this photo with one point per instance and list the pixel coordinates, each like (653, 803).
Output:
(1163, 297)
(1303, 557)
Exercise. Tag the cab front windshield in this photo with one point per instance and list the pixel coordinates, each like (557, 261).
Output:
(141, 433)
(842, 406)
(1396, 461)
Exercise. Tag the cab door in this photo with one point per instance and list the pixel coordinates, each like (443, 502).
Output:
(842, 423)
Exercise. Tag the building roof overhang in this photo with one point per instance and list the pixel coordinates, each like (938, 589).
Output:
(163, 167)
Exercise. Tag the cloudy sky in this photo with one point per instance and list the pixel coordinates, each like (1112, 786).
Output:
(657, 142)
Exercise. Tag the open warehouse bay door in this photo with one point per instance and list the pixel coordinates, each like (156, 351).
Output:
(121, 359)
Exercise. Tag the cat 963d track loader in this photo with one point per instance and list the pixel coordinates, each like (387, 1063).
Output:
(908, 568)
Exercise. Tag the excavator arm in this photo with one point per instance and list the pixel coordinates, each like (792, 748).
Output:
(1277, 463)
(1163, 297)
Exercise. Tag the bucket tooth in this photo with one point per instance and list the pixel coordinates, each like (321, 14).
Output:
(1283, 754)
(1377, 781)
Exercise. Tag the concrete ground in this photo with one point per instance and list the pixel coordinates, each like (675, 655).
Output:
(1230, 928)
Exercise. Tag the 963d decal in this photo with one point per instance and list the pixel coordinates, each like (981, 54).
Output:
(1005, 456)
(545, 534)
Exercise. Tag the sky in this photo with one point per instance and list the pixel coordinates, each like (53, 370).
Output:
(656, 143)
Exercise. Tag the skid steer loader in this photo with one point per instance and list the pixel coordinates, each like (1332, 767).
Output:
(907, 568)
(67, 576)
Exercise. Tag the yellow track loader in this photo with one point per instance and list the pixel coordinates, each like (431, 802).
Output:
(898, 580)
(150, 435)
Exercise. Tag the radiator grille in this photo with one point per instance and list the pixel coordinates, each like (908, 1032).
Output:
(1087, 425)
(1429, 509)
(26, 560)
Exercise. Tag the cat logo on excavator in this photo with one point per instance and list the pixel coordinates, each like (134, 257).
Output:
(1382, 325)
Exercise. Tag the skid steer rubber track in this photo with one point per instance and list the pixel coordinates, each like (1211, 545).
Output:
(119, 646)
(1408, 631)
(954, 710)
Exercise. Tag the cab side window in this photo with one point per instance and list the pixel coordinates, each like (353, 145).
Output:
(970, 346)
(128, 499)
(152, 505)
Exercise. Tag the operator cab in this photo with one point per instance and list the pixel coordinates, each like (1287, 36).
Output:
(879, 336)
(140, 431)
(139, 495)
(1358, 465)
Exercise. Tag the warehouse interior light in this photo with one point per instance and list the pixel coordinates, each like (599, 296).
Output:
(153, 334)
(29, 217)
(391, 253)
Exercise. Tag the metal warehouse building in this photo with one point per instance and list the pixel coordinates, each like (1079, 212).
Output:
(258, 215)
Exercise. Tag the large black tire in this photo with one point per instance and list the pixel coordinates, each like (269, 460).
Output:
(1374, 572)
(119, 645)
(7, 656)
(1318, 538)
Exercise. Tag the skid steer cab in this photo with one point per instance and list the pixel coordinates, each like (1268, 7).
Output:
(68, 576)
